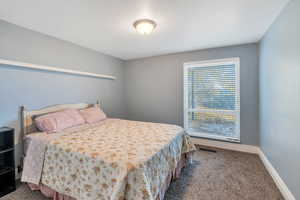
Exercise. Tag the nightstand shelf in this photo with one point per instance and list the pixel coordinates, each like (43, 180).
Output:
(6, 170)
(7, 150)
(7, 161)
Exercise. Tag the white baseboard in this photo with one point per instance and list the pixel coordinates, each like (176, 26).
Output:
(286, 193)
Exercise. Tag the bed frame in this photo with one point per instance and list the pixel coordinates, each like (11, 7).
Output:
(27, 116)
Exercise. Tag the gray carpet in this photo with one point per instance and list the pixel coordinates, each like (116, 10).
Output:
(224, 175)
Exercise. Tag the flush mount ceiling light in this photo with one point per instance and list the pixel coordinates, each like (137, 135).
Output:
(144, 26)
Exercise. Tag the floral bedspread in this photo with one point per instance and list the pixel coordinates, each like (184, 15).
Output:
(35, 145)
(114, 160)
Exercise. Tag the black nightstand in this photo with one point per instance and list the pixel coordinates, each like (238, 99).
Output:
(7, 161)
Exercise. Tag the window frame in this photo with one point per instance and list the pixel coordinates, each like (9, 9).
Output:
(211, 63)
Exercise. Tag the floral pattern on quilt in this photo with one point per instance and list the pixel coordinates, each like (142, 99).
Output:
(114, 160)
(34, 160)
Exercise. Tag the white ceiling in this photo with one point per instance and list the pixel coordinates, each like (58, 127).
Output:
(183, 25)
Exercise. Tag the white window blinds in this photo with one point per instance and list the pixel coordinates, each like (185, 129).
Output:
(211, 99)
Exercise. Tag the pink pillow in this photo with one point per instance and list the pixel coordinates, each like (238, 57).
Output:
(58, 121)
(92, 115)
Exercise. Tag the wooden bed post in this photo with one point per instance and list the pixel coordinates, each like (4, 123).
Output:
(22, 130)
(98, 103)
(22, 122)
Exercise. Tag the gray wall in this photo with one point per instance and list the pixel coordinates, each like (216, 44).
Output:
(154, 87)
(36, 89)
(280, 95)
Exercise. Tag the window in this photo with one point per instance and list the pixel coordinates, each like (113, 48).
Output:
(212, 99)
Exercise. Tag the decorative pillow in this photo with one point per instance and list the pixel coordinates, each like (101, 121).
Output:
(92, 115)
(57, 121)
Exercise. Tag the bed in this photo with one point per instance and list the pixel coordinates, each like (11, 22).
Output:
(113, 159)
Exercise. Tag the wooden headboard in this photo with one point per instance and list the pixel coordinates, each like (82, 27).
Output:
(27, 116)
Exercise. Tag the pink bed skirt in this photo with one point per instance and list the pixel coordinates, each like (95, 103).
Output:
(50, 193)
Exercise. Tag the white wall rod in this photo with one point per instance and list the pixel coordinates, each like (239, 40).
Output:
(53, 69)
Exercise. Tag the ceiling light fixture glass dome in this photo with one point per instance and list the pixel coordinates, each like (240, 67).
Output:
(144, 26)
